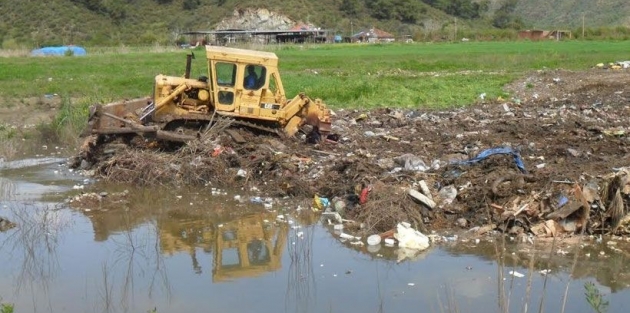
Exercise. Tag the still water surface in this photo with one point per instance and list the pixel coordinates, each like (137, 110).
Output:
(189, 251)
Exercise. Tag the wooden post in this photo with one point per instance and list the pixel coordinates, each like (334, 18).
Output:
(455, 35)
(351, 30)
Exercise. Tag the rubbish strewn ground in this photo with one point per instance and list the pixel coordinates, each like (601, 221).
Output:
(5, 224)
(547, 161)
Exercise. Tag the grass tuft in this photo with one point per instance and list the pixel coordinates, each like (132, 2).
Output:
(69, 122)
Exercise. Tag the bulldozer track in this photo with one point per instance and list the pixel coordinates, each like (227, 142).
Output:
(252, 125)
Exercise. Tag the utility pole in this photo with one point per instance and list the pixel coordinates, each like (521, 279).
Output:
(455, 35)
(583, 26)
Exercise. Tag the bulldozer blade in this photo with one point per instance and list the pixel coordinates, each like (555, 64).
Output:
(171, 136)
(110, 116)
(324, 128)
(125, 130)
(235, 136)
(292, 126)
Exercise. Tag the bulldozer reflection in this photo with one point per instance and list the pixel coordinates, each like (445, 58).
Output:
(247, 246)
(244, 242)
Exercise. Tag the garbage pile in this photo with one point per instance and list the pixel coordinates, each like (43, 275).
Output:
(542, 165)
(5, 224)
(94, 201)
(614, 65)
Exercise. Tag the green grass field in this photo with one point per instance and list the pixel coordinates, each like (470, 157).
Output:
(352, 75)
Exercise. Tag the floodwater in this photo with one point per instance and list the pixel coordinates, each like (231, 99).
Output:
(182, 250)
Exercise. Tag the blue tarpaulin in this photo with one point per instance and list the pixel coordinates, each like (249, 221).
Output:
(492, 151)
(63, 50)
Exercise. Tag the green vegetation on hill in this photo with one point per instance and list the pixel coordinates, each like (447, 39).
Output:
(568, 14)
(29, 24)
(142, 22)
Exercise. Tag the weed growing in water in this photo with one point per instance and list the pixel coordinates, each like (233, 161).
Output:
(595, 298)
(6, 308)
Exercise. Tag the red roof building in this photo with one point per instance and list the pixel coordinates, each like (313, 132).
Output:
(373, 35)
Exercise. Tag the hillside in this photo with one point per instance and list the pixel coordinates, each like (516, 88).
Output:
(113, 22)
(568, 13)
(27, 23)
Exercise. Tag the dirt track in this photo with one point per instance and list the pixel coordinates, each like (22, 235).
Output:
(566, 126)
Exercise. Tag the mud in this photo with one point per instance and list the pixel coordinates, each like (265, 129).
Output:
(29, 112)
(569, 128)
(5, 224)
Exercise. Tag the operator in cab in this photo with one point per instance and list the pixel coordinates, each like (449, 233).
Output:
(251, 79)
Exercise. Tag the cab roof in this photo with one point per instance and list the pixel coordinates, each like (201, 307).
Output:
(240, 55)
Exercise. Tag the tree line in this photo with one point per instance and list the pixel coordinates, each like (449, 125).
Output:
(410, 11)
(117, 9)
(405, 11)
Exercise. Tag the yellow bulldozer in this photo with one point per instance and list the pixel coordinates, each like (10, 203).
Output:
(243, 86)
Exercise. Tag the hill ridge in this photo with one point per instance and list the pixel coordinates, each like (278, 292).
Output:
(26, 23)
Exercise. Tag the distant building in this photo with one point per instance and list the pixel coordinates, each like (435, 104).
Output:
(544, 34)
(299, 34)
(303, 33)
(372, 35)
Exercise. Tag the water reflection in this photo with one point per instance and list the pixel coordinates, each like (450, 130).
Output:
(23, 163)
(247, 246)
(136, 255)
(606, 263)
(7, 189)
(247, 241)
(243, 241)
(32, 245)
(176, 249)
(120, 220)
(301, 279)
(256, 244)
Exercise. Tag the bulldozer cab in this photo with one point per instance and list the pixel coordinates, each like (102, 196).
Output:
(244, 81)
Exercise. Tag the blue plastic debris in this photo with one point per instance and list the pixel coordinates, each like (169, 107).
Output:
(492, 151)
(562, 200)
(59, 51)
(325, 202)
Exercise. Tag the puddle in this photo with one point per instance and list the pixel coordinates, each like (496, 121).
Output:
(24, 163)
(32, 179)
(189, 250)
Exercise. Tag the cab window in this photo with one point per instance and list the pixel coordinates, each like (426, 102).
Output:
(254, 77)
(226, 97)
(226, 74)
